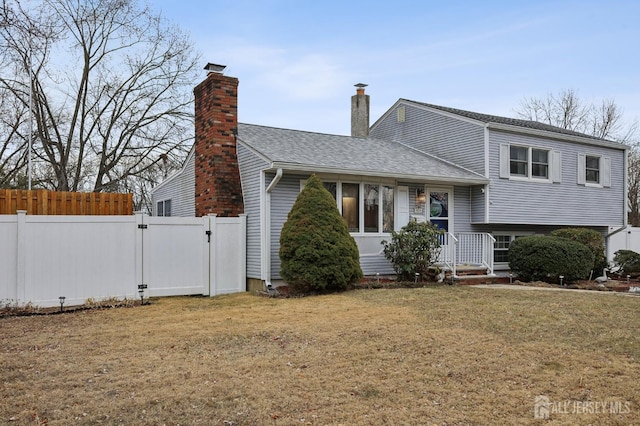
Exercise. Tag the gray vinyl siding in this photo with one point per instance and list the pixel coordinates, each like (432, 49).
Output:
(461, 209)
(452, 139)
(180, 189)
(565, 203)
(251, 167)
(283, 196)
(478, 204)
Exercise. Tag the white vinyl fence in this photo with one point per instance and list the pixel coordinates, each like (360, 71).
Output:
(43, 258)
(627, 238)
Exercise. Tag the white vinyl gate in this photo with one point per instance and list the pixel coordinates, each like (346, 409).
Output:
(43, 258)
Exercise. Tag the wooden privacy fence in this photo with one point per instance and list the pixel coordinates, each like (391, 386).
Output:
(44, 202)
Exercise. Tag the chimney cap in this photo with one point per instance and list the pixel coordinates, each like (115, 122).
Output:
(211, 67)
(360, 85)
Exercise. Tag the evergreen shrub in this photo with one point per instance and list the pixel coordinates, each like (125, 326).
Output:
(590, 238)
(317, 253)
(413, 249)
(546, 258)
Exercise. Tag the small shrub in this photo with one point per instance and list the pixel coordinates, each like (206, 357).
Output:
(590, 238)
(540, 257)
(317, 252)
(628, 261)
(413, 249)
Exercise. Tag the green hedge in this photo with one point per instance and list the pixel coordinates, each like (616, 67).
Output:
(590, 238)
(546, 258)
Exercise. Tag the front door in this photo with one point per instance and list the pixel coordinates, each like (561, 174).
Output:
(439, 213)
(440, 208)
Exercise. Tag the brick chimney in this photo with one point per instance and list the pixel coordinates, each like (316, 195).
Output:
(218, 188)
(360, 112)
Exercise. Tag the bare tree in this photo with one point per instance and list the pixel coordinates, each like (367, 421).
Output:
(112, 88)
(566, 110)
(604, 120)
(633, 187)
(13, 143)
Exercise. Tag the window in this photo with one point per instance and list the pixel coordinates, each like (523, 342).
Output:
(366, 207)
(387, 209)
(519, 164)
(524, 162)
(371, 207)
(539, 163)
(592, 169)
(519, 161)
(332, 188)
(350, 205)
(163, 208)
(501, 248)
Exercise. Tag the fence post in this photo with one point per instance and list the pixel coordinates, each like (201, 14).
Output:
(139, 250)
(213, 256)
(21, 258)
(243, 252)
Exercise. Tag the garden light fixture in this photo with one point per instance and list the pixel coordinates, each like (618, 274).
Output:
(62, 299)
(141, 289)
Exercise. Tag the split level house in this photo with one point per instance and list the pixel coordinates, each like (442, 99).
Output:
(485, 180)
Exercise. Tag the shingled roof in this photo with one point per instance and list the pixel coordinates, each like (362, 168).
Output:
(487, 118)
(309, 151)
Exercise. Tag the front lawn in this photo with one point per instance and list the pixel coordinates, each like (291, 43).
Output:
(443, 355)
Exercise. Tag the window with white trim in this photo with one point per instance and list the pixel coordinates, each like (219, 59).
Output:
(501, 248)
(530, 163)
(163, 208)
(366, 207)
(594, 170)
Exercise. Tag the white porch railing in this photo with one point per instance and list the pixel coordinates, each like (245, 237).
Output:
(467, 248)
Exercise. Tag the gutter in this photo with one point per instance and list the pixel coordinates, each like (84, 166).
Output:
(480, 180)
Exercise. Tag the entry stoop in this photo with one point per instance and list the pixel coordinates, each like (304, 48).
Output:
(475, 274)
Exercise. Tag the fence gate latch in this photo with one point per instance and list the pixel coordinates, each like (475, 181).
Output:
(208, 236)
(142, 226)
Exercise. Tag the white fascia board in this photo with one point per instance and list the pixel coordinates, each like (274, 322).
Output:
(369, 173)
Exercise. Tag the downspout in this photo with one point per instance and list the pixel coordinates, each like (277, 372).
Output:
(487, 174)
(267, 224)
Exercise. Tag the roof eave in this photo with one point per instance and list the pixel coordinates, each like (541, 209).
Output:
(398, 176)
(556, 135)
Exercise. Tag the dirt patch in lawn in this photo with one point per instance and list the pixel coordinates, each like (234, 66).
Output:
(442, 355)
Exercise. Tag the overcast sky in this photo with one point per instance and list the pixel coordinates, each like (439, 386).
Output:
(297, 60)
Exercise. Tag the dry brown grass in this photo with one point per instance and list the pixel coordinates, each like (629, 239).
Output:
(446, 355)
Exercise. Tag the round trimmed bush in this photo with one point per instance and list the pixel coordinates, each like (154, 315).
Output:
(317, 253)
(546, 258)
(590, 238)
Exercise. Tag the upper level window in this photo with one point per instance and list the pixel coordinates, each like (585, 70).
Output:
(517, 161)
(592, 169)
(539, 163)
(528, 162)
